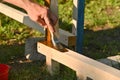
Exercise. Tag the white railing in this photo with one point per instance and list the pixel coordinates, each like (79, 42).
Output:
(85, 67)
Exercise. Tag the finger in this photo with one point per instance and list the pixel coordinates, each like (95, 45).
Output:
(44, 26)
(48, 23)
(41, 22)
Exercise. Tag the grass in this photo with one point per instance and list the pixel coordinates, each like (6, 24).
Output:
(100, 13)
(102, 25)
(101, 39)
(102, 44)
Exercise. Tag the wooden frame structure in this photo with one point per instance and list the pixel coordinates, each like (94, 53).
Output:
(85, 67)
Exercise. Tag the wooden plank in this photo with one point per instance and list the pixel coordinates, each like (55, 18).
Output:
(75, 16)
(80, 76)
(49, 64)
(81, 64)
(67, 39)
(19, 16)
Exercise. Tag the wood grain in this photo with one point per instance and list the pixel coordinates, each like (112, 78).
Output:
(84, 66)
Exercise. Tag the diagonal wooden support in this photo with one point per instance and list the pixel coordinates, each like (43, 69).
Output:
(84, 66)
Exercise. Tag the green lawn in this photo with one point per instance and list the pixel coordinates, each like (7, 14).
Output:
(101, 39)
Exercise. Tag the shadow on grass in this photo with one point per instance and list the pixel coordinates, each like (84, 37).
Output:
(102, 43)
(22, 69)
(9, 52)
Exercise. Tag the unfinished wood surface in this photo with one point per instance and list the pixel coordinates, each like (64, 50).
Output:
(80, 76)
(49, 64)
(24, 18)
(81, 64)
(75, 16)
(67, 38)
(19, 16)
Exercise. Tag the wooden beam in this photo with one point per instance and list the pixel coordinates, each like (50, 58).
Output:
(81, 64)
(75, 17)
(68, 38)
(19, 16)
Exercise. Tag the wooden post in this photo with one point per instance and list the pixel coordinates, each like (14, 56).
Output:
(75, 16)
(80, 76)
(66, 38)
(53, 66)
(49, 64)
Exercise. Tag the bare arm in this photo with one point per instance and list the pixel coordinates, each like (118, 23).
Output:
(36, 12)
(19, 3)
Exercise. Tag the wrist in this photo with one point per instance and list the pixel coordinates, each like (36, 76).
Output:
(28, 4)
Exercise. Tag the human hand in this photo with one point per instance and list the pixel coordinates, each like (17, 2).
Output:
(42, 15)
